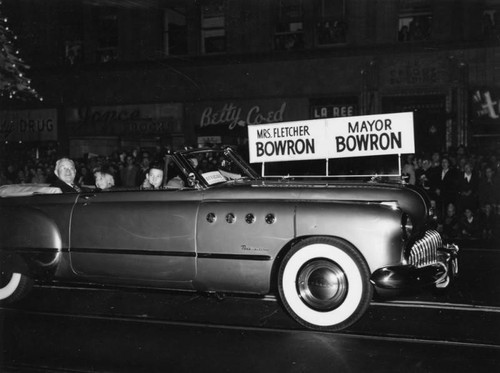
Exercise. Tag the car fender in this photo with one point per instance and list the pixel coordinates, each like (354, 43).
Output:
(30, 241)
(374, 229)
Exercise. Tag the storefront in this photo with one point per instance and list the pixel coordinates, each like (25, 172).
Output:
(432, 86)
(28, 126)
(28, 132)
(334, 107)
(104, 129)
(429, 113)
(226, 122)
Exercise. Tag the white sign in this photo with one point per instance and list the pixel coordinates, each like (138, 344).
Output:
(344, 137)
(287, 141)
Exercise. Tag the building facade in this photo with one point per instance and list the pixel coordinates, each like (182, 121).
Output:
(119, 74)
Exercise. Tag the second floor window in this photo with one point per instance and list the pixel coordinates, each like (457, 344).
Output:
(289, 33)
(175, 31)
(415, 20)
(491, 23)
(106, 29)
(331, 25)
(213, 27)
(72, 34)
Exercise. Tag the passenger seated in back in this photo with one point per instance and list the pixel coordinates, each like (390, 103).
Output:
(65, 171)
(104, 180)
(154, 178)
(175, 183)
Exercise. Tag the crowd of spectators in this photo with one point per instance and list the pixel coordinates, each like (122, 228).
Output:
(464, 187)
(36, 165)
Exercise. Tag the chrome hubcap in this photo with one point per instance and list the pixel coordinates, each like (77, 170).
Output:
(322, 284)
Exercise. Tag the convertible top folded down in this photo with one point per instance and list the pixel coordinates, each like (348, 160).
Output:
(21, 190)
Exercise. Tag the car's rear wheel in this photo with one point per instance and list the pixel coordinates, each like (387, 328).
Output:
(13, 286)
(324, 283)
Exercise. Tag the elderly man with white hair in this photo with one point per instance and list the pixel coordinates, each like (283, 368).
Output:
(65, 171)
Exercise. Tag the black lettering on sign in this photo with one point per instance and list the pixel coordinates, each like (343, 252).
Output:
(370, 126)
(285, 147)
(263, 133)
(369, 142)
(36, 125)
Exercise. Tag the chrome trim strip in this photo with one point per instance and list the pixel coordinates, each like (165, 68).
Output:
(131, 252)
(234, 257)
(26, 250)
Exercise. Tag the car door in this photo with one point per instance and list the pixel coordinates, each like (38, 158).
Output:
(238, 240)
(135, 235)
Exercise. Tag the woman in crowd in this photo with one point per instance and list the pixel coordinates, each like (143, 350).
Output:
(408, 170)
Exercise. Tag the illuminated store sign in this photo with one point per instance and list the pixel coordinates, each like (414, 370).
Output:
(129, 120)
(28, 125)
(486, 104)
(233, 115)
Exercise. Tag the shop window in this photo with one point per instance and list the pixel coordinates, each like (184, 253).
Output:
(331, 25)
(415, 20)
(213, 27)
(429, 119)
(289, 33)
(175, 31)
(106, 29)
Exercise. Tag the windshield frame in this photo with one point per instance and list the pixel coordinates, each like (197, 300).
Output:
(182, 159)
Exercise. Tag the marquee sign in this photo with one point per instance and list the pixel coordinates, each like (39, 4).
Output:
(343, 137)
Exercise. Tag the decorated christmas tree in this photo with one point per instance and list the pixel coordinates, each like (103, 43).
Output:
(13, 82)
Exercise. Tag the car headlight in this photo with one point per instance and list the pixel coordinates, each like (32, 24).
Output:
(406, 225)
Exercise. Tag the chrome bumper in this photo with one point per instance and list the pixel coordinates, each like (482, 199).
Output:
(441, 273)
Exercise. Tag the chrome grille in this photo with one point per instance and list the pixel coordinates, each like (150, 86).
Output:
(424, 251)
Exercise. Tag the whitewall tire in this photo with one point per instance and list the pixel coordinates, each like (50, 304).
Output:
(324, 283)
(13, 286)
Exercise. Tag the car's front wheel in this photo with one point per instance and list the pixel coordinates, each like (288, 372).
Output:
(324, 283)
(13, 286)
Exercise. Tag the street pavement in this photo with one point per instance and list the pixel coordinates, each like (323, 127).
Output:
(88, 329)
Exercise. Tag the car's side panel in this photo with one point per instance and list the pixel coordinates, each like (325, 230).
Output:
(146, 235)
(237, 245)
(374, 229)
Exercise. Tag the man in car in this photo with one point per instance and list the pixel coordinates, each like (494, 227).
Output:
(154, 178)
(65, 171)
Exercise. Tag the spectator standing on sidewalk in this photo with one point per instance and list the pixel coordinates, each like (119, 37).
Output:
(128, 173)
(488, 189)
(468, 186)
(450, 223)
(470, 225)
(447, 185)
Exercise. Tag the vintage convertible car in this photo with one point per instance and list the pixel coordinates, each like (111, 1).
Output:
(321, 247)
